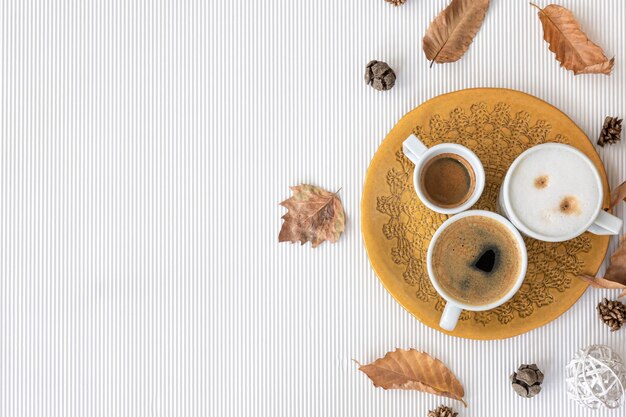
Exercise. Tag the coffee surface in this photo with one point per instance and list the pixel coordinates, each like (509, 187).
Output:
(447, 180)
(554, 192)
(476, 260)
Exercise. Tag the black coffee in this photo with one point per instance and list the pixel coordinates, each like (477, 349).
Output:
(476, 260)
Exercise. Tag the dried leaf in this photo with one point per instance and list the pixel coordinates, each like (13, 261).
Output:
(616, 271)
(451, 33)
(571, 45)
(597, 282)
(413, 370)
(315, 215)
(618, 194)
(615, 276)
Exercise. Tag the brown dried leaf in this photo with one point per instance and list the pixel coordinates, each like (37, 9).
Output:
(413, 370)
(597, 282)
(451, 33)
(616, 271)
(618, 194)
(315, 215)
(571, 45)
(615, 276)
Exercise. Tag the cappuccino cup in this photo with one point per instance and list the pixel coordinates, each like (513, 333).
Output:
(448, 178)
(553, 192)
(476, 261)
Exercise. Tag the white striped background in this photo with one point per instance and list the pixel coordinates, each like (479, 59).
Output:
(144, 148)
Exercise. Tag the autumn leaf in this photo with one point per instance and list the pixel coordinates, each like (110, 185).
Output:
(571, 45)
(597, 282)
(618, 194)
(413, 370)
(615, 275)
(451, 33)
(315, 215)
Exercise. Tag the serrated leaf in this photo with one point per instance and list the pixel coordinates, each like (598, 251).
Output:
(450, 34)
(413, 370)
(572, 47)
(315, 215)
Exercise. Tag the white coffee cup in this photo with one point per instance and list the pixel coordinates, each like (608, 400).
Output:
(454, 307)
(539, 211)
(419, 154)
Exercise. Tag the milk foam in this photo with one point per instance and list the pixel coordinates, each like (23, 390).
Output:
(567, 179)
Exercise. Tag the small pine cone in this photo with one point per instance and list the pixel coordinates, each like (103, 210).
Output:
(442, 411)
(612, 313)
(611, 131)
(396, 2)
(379, 75)
(527, 380)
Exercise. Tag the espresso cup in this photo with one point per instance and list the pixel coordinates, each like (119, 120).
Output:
(448, 178)
(476, 261)
(553, 192)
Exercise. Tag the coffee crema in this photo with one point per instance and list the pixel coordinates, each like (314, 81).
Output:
(476, 260)
(447, 180)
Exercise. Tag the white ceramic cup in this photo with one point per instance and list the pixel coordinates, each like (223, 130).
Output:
(419, 154)
(600, 223)
(454, 307)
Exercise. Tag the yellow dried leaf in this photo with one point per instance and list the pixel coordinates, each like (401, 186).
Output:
(571, 45)
(449, 36)
(315, 215)
(413, 370)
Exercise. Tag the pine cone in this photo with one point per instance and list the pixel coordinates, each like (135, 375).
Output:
(527, 380)
(379, 75)
(442, 411)
(396, 2)
(612, 313)
(611, 131)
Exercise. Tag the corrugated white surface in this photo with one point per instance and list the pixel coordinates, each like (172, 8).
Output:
(144, 148)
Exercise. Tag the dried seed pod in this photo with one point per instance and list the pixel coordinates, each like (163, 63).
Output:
(396, 2)
(527, 380)
(442, 411)
(379, 75)
(611, 131)
(612, 313)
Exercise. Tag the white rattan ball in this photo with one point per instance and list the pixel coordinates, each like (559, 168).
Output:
(596, 376)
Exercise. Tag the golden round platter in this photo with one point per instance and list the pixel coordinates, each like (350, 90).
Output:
(498, 125)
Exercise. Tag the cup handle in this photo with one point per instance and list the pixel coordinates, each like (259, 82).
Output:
(450, 317)
(413, 148)
(606, 224)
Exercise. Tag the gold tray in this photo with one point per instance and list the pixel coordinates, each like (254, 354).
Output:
(497, 124)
